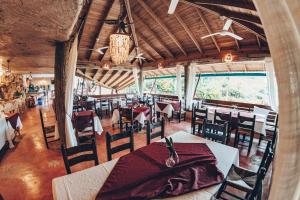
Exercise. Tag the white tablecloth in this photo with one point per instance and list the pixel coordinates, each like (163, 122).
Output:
(7, 133)
(97, 126)
(85, 184)
(260, 122)
(167, 110)
(141, 117)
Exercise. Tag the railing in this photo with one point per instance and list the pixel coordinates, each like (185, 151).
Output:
(231, 104)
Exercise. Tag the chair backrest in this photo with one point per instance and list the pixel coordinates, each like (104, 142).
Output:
(42, 121)
(81, 153)
(126, 112)
(267, 157)
(199, 113)
(112, 138)
(247, 123)
(215, 132)
(83, 123)
(256, 193)
(220, 118)
(151, 134)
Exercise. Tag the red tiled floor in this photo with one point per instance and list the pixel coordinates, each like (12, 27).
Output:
(26, 172)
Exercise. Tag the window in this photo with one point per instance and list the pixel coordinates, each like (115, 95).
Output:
(248, 89)
(163, 85)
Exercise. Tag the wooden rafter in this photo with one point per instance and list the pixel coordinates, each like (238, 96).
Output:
(121, 78)
(186, 29)
(130, 82)
(95, 74)
(244, 24)
(201, 16)
(142, 37)
(161, 24)
(129, 78)
(112, 74)
(235, 40)
(115, 77)
(84, 27)
(146, 27)
(100, 26)
(232, 14)
(213, 68)
(132, 27)
(258, 41)
(106, 76)
(231, 3)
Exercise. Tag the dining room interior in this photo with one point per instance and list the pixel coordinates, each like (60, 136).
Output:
(141, 99)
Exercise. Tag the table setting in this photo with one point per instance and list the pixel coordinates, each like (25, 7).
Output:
(167, 107)
(140, 114)
(197, 174)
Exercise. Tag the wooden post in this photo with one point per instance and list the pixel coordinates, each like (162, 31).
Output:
(61, 53)
(280, 19)
(188, 85)
(141, 82)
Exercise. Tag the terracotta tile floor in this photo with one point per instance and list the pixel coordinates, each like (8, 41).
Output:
(26, 172)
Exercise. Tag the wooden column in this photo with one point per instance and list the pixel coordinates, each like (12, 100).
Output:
(61, 54)
(178, 81)
(188, 85)
(141, 82)
(281, 22)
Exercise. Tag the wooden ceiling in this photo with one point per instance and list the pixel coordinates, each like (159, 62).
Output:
(28, 30)
(170, 39)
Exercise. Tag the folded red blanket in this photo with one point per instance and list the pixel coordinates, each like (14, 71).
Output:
(144, 175)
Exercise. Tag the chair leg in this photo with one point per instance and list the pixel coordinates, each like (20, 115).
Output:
(221, 189)
(260, 139)
(236, 138)
(250, 143)
(179, 116)
(199, 128)
(193, 129)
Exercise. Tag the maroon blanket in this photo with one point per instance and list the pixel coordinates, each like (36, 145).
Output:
(144, 175)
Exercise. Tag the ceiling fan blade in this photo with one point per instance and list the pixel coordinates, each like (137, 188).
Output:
(227, 24)
(233, 35)
(210, 35)
(172, 6)
(139, 55)
(102, 48)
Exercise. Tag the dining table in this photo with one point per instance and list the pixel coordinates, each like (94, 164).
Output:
(86, 184)
(260, 120)
(167, 107)
(140, 114)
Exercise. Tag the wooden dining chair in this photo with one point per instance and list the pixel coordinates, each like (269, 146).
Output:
(198, 117)
(84, 127)
(221, 118)
(48, 131)
(271, 129)
(152, 131)
(246, 180)
(245, 128)
(78, 154)
(118, 148)
(215, 132)
(126, 117)
(179, 113)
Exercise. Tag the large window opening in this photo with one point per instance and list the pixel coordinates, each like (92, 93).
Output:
(248, 88)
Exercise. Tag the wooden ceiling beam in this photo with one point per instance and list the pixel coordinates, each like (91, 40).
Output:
(126, 85)
(235, 40)
(142, 37)
(114, 75)
(161, 24)
(186, 29)
(232, 14)
(146, 27)
(123, 82)
(231, 3)
(258, 41)
(100, 26)
(201, 16)
(121, 78)
(132, 27)
(244, 24)
(105, 73)
(81, 74)
(244, 54)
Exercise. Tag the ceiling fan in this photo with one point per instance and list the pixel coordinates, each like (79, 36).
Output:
(99, 50)
(225, 31)
(138, 57)
(172, 6)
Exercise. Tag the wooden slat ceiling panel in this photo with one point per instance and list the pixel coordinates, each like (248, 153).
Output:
(90, 28)
(145, 17)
